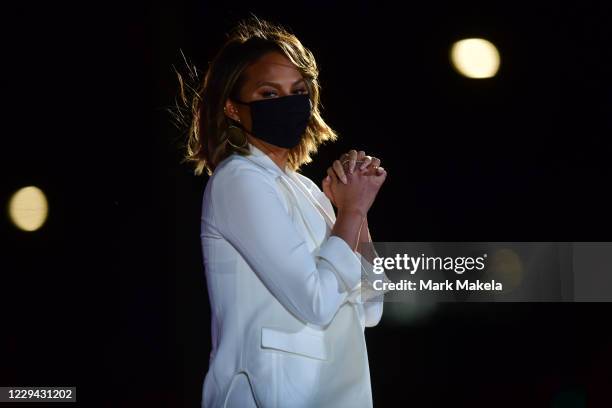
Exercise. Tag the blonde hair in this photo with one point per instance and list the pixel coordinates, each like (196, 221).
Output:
(202, 113)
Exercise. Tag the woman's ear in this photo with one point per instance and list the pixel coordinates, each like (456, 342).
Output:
(231, 111)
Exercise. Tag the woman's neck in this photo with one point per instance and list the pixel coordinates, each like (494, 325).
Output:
(279, 155)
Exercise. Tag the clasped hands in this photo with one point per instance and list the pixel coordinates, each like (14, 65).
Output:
(353, 181)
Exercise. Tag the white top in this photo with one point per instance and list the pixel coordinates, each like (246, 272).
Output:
(287, 319)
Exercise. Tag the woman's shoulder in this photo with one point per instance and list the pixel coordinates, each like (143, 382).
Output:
(236, 178)
(237, 166)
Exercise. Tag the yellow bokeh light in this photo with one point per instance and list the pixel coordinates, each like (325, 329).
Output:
(28, 208)
(475, 58)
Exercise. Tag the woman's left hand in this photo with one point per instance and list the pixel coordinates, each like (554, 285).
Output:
(348, 163)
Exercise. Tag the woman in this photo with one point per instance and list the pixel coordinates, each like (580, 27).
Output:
(284, 273)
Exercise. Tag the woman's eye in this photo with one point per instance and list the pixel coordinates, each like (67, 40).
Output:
(269, 94)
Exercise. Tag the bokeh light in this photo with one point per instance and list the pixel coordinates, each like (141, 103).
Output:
(475, 58)
(28, 208)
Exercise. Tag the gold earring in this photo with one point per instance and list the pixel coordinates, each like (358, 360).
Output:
(230, 130)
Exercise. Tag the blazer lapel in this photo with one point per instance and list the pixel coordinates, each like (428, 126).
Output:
(307, 205)
(312, 199)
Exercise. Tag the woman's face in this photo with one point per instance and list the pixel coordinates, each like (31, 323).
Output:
(272, 76)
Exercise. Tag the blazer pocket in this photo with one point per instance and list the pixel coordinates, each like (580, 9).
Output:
(304, 342)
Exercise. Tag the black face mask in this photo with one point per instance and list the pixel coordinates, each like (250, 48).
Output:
(279, 121)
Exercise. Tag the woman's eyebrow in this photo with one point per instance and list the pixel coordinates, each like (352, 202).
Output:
(276, 84)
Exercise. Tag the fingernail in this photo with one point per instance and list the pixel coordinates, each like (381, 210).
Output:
(344, 180)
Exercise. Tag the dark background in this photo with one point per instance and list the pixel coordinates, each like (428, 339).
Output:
(110, 294)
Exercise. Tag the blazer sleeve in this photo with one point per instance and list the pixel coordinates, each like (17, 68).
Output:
(371, 299)
(250, 214)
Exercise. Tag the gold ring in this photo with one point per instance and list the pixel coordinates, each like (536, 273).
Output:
(348, 160)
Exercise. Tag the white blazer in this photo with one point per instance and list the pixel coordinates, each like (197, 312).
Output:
(287, 318)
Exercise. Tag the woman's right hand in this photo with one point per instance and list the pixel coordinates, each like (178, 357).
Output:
(359, 192)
